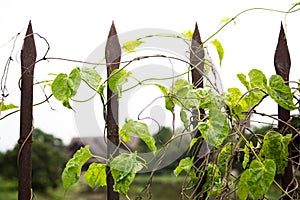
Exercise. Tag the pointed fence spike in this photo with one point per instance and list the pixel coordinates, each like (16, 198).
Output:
(197, 58)
(112, 49)
(282, 59)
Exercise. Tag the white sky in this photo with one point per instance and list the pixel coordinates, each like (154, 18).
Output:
(75, 28)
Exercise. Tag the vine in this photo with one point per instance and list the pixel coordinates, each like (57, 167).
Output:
(223, 129)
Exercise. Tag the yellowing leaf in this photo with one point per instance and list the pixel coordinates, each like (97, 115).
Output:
(257, 179)
(225, 19)
(275, 147)
(73, 167)
(261, 176)
(96, 175)
(188, 34)
(4, 107)
(236, 103)
(140, 129)
(280, 92)
(243, 189)
(131, 45)
(219, 48)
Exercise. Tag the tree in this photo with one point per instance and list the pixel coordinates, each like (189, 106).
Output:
(48, 159)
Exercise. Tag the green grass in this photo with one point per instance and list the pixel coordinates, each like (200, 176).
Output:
(163, 187)
(8, 189)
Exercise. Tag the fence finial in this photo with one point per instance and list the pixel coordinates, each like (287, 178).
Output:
(282, 59)
(113, 48)
(197, 58)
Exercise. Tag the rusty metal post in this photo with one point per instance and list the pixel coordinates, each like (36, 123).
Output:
(28, 58)
(197, 57)
(282, 65)
(113, 57)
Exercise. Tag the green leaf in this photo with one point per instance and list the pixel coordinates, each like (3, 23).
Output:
(185, 96)
(75, 79)
(261, 176)
(216, 129)
(141, 130)
(277, 89)
(236, 103)
(254, 97)
(60, 87)
(243, 80)
(4, 107)
(213, 183)
(122, 186)
(124, 164)
(66, 103)
(117, 79)
(257, 79)
(256, 87)
(168, 102)
(96, 175)
(131, 45)
(243, 188)
(73, 167)
(64, 87)
(275, 147)
(205, 97)
(181, 84)
(246, 157)
(184, 119)
(219, 48)
(234, 97)
(123, 169)
(92, 78)
(280, 92)
(188, 34)
(223, 159)
(193, 142)
(184, 164)
(257, 179)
